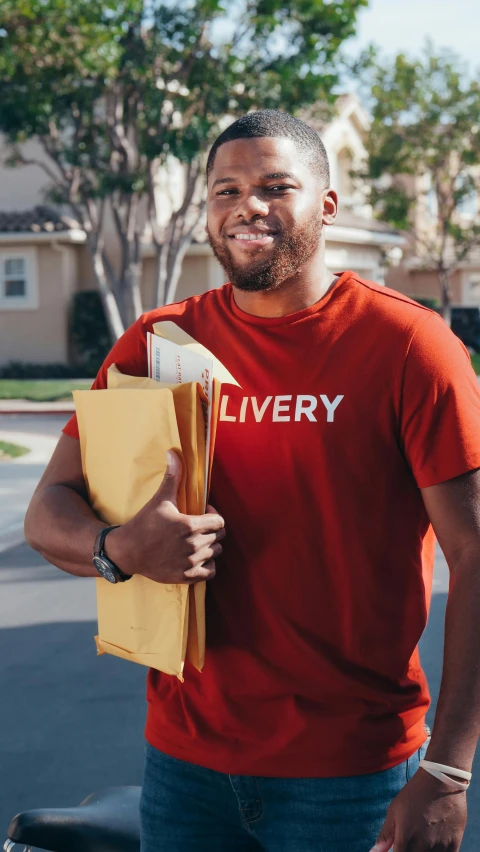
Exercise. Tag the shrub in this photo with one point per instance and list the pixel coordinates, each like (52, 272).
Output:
(89, 331)
(25, 370)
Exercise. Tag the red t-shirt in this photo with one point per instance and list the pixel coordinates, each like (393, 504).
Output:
(323, 588)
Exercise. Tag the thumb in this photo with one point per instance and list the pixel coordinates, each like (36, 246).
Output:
(386, 837)
(171, 481)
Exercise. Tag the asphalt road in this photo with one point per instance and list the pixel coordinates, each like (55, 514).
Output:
(72, 722)
(40, 424)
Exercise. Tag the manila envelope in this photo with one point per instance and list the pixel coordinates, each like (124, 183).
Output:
(189, 401)
(143, 621)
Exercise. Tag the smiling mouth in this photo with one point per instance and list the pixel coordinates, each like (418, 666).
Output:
(253, 240)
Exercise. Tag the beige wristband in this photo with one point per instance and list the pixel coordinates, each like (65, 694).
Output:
(444, 773)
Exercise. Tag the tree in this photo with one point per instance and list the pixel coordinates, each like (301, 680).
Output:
(424, 158)
(120, 94)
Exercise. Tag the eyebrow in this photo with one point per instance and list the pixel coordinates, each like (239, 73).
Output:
(279, 176)
(271, 176)
(225, 180)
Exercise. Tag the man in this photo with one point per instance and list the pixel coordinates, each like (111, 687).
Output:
(355, 430)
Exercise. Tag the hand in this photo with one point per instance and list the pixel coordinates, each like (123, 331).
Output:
(162, 544)
(425, 816)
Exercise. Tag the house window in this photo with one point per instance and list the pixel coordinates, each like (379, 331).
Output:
(15, 279)
(18, 280)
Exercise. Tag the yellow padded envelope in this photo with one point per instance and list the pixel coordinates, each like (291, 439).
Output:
(154, 624)
(189, 401)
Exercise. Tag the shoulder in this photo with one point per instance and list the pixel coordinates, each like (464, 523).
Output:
(189, 312)
(393, 306)
(421, 329)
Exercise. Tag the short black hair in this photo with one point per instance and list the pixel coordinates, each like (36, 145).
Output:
(277, 124)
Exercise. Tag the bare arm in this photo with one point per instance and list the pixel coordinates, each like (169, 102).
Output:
(427, 814)
(59, 522)
(159, 542)
(454, 510)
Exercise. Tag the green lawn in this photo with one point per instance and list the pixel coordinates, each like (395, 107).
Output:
(40, 390)
(11, 451)
(476, 362)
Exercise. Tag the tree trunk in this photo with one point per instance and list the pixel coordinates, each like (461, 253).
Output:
(446, 295)
(174, 269)
(134, 276)
(160, 274)
(110, 306)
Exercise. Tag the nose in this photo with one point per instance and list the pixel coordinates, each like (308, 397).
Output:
(251, 206)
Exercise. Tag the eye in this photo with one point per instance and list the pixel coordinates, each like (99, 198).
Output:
(227, 191)
(280, 187)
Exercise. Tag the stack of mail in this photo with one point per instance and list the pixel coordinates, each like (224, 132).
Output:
(124, 438)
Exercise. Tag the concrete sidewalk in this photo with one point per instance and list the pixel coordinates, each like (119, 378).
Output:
(18, 480)
(26, 406)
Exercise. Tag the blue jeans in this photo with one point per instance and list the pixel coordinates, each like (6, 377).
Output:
(185, 808)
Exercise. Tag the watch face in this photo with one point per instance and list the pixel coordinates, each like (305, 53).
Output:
(104, 568)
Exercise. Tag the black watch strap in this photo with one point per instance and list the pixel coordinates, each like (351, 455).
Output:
(98, 549)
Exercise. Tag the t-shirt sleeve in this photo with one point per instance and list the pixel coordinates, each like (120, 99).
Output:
(440, 406)
(129, 353)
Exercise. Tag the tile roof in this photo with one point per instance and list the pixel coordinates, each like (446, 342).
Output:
(40, 219)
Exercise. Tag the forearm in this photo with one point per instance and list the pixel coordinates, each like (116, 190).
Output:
(457, 721)
(62, 527)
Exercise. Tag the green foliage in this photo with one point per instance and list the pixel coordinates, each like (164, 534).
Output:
(171, 72)
(476, 362)
(40, 390)
(424, 156)
(112, 90)
(89, 331)
(24, 370)
(433, 304)
(12, 451)
(425, 122)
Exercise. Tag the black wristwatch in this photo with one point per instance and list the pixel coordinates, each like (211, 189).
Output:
(105, 567)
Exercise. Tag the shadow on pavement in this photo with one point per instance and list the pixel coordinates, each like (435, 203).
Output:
(70, 722)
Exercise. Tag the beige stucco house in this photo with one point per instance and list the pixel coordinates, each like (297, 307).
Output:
(44, 258)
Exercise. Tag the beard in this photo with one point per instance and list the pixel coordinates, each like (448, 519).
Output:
(291, 252)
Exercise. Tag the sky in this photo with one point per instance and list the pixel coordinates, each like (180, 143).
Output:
(404, 25)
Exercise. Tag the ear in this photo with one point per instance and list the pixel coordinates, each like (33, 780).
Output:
(330, 207)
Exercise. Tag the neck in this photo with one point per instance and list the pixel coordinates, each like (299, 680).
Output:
(307, 287)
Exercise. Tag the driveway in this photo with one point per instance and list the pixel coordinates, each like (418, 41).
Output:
(18, 478)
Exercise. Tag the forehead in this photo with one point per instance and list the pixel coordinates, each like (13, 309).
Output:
(247, 159)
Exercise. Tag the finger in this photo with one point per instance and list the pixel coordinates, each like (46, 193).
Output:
(211, 510)
(201, 572)
(208, 523)
(205, 554)
(385, 840)
(171, 481)
(383, 846)
(206, 539)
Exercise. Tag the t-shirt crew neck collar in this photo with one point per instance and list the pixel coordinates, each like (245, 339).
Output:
(289, 318)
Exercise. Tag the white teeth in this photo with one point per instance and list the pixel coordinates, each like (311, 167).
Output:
(251, 236)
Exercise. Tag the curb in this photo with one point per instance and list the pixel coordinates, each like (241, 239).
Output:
(20, 406)
(12, 538)
(40, 447)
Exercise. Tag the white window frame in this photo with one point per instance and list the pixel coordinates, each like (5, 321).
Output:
(30, 301)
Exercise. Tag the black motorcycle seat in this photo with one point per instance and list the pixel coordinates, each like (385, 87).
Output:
(107, 821)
